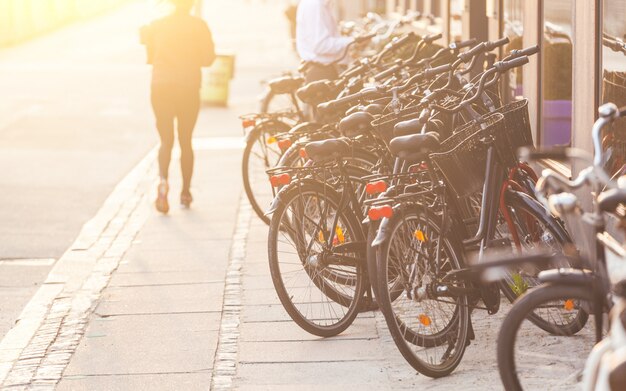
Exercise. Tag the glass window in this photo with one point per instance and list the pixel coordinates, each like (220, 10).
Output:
(556, 78)
(513, 29)
(613, 87)
(456, 17)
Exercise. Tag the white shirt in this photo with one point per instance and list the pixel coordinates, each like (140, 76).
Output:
(317, 32)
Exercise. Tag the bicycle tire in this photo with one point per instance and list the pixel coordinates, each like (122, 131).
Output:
(518, 313)
(258, 136)
(405, 337)
(336, 293)
(522, 211)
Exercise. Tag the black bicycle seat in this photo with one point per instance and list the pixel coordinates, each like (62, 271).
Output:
(325, 150)
(356, 124)
(415, 147)
(316, 92)
(406, 128)
(285, 85)
(375, 109)
(609, 200)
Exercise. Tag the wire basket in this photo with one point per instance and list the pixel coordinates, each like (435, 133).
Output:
(464, 161)
(517, 129)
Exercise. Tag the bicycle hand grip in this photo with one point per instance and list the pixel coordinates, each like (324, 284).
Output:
(407, 38)
(504, 66)
(364, 38)
(473, 52)
(463, 44)
(356, 71)
(385, 74)
(496, 44)
(432, 38)
(437, 70)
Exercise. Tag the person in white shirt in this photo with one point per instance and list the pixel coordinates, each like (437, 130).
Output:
(318, 40)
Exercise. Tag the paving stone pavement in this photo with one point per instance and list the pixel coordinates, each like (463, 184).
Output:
(186, 302)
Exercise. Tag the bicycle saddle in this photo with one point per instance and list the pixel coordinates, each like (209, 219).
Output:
(320, 151)
(375, 109)
(414, 148)
(356, 124)
(609, 200)
(285, 85)
(406, 128)
(316, 92)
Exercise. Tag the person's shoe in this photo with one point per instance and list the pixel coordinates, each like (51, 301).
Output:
(185, 200)
(161, 202)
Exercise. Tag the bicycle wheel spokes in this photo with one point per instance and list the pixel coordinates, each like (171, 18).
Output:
(432, 329)
(319, 291)
(532, 356)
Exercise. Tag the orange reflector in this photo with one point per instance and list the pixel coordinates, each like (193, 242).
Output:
(280, 180)
(420, 235)
(248, 123)
(377, 213)
(303, 153)
(320, 237)
(376, 187)
(569, 305)
(340, 236)
(284, 144)
(425, 320)
(271, 140)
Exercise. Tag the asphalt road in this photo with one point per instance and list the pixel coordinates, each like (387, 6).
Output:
(74, 119)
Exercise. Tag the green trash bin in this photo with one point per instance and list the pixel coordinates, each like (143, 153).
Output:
(216, 81)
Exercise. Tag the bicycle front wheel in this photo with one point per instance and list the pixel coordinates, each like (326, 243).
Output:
(430, 331)
(529, 358)
(320, 281)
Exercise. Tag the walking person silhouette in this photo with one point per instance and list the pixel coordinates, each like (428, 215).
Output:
(178, 46)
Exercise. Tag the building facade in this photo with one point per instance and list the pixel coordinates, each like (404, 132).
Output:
(582, 62)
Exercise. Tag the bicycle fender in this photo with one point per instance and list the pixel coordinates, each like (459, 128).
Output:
(304, 128)
(258, 128)
(567, 276)
(537, 207)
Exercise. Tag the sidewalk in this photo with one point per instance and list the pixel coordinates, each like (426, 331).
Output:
(143, 301)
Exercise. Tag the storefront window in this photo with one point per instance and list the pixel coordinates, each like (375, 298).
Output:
(514, 30)
(557, 72)
(613, 87)
(456, 16)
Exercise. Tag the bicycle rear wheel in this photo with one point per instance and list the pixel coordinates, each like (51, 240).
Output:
(529, 358)
(319, 284)
(430, 332)
(538, 231)
(259, 155)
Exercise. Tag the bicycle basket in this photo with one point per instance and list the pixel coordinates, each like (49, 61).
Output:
(464, 161)
(518, 132)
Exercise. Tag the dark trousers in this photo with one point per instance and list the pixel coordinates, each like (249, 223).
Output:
(176, 107)
(317, 72)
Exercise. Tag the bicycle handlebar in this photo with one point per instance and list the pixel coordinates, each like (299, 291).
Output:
(458, 45)
(481, 48)
(531, 51)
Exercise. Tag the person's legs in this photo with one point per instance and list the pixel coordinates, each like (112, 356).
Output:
(164, 112)
(187, 116)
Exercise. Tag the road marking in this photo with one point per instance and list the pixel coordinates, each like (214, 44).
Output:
(28, 262)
